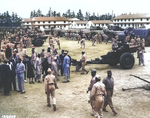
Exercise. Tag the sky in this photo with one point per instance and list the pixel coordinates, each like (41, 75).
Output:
(24, 7)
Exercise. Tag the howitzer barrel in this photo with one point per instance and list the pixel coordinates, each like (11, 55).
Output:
(140, 78)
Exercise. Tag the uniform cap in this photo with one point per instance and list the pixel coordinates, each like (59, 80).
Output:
(49, 70)
(65, 52)
(93, 70)
(98, 76)
(55, 58)
(15, 50)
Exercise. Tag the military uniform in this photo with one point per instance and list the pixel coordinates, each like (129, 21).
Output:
(83, 60)
(97, 98)
(49, 82)
(109, 86)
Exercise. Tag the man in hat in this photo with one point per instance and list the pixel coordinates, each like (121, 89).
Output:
(66, 66)
(54, 70)
(37, 67)
(83, 60)
(93, 81)
(61, 56)
(8, 52)
(50, 83)
(109, 86)
(20, 68)
(97, 97)
(5, 76)
(58, 42)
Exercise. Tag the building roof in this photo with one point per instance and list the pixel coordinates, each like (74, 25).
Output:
(133, 16)
(73, 19)
(132, 23)
(45, 19)
(101, 21)
(81, 22)
(27, 20)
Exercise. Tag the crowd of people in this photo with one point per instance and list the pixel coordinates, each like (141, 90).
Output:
(18, 66)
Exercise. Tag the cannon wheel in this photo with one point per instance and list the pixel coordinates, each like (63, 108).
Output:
(78, 66)
(38, 42)
(127, 60)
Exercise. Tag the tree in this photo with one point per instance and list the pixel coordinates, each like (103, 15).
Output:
(80, 15)
(73, 14)
(58, 14)
(31, 14)
(39, 13)
(87, 16)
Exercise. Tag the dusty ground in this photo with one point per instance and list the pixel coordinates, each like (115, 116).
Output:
(72, 97)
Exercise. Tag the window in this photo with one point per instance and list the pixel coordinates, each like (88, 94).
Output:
(132, 19)
(78, 24)
(124, 19)
(118, 20)
(121, 19)
(49, 21)
(147, 23)
(74, 24)
(87, 24)
(43, 26)
(49, 26)
(124, 24)
(84, 24)
(147, 19)
(38, 21)
(72, 21)
(38, 26)
(64, 21)
(27, 22)
(129, 24)
(128, 19)
(95, 24)
(43, 21)
(141, 19)
(64, 25)
(121, 24)
(102, 24)
(141, 24)
(54, 21)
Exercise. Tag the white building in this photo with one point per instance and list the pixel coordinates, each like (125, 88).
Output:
(46, 22)
(79, 24)
(101, 23)
(132, 20)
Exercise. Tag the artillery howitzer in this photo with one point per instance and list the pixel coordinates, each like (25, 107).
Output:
(147, 87)
(120, 55)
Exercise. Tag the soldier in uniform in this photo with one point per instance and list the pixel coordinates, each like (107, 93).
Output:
(50, 83)
(97, 97)
(109, 86)
(54, 70)
(37, 66)
(94, 40)
(58, 42)
(79, 38)
(83, 60)
(66, 66)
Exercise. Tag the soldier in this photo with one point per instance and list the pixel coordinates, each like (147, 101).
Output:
(83, 60)
(58, 42)
(94, 40)
(50, 83)
(93, 81)
(97, 97)
(66, 66)
(2, 56)
(50, 41)
(54, 70)
(79, 38)
(109, 86)
(83, 42)
(8, 52)
(37, 67)
(141, 56)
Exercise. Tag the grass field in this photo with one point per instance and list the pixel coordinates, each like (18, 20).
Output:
(71, 98)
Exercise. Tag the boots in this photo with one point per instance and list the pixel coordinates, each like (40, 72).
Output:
(115, 113)
(54, 106)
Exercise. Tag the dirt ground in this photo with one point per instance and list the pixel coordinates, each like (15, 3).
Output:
(72, 99)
